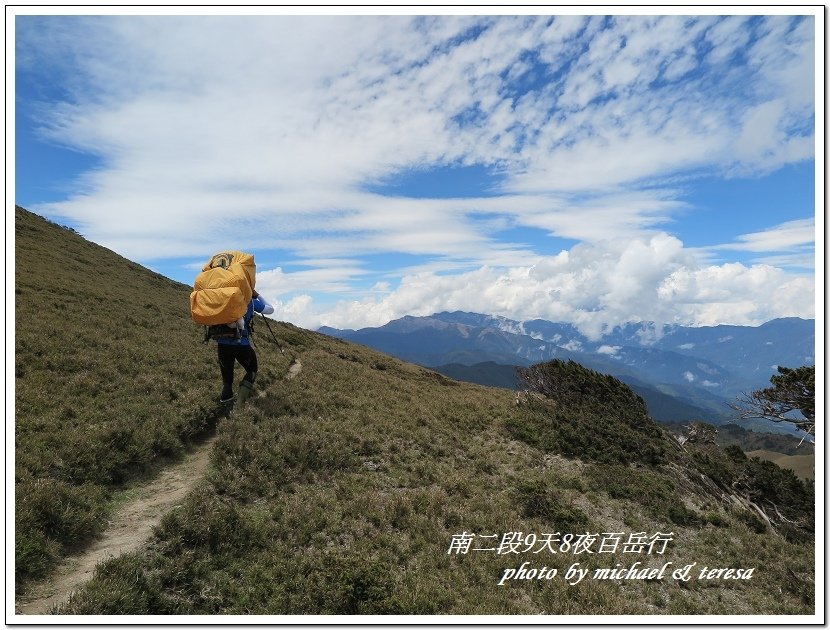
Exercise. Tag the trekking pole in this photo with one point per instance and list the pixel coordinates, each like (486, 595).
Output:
(272, 334)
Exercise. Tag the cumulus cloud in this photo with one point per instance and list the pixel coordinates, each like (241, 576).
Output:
(329, 278)
(573, 345)
(595, 287)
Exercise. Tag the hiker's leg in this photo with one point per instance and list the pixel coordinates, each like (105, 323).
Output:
(226, 362)
(247, 358)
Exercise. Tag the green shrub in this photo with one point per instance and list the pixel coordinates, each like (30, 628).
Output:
(716, 519)
(735, 453)
(765, 484)
(34, 554)
(624, 482)
(753, 521)
(264, 458)
(646, 487)
(120, 586)
(52, 516)
(716, 465)
(681, 515)
(206, 522)
(589, 415)
(348, 585)
(538, 499)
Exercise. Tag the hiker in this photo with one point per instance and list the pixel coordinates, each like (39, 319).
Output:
(224, 301)
(231, 349)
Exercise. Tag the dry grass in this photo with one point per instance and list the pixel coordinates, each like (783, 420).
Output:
(111, 380)
(340, 491)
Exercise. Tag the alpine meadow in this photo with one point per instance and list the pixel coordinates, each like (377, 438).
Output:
(365, 484)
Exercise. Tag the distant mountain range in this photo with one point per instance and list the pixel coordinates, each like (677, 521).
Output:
(682, 372)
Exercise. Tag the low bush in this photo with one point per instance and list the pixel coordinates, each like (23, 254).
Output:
(776, 490)
(539, 498)
(587, 415)
(121, 586)
(648, 488)
(52, 516)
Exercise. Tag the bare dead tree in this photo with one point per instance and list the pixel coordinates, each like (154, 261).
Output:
(698, 433)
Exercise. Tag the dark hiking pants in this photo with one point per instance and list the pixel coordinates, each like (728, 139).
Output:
(228, 356)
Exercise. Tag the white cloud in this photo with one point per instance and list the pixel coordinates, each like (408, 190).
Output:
(265, 133)
(738, 294)
(298, 309)
(706, 369)
(806, 260)
(691, 378)
(594, 287)
(280, 117)
(797, 238)
(334, 278)
(761, 134)
(784, 57)
(381, 287)
(609, 350)
(726, 38)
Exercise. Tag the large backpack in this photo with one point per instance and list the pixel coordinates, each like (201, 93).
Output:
(223, 290)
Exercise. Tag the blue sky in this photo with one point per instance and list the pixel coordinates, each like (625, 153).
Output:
(590, 169)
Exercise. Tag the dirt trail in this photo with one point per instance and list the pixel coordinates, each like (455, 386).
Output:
(129, 528)
(294, 369)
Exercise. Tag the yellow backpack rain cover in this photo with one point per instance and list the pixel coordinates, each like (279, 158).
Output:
(222, 291)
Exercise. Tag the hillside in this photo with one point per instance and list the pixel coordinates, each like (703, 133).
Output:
(111, 381)
(367, 485)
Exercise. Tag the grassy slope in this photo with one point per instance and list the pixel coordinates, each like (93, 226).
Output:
(804, 466)
(340, 491)
(110, 378)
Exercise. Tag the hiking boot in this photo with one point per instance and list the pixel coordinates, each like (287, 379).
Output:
(225, 408)
(226, 398)
(245, 388)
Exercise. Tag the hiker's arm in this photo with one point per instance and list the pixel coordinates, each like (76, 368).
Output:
(261, 306)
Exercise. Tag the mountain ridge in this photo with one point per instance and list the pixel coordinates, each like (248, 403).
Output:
(706, 367)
